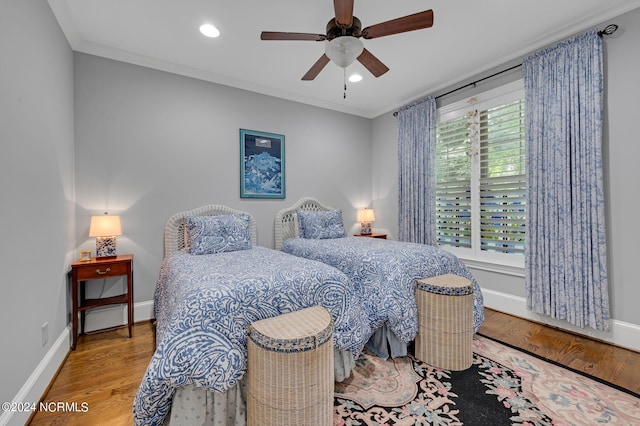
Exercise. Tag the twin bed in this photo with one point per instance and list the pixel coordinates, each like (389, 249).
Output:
(384, 271)
(215, 281)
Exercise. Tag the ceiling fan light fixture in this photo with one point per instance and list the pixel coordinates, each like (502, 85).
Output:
(354, 78)
(344, 50)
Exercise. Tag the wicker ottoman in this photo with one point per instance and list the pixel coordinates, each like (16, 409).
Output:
(290, 369)
(445, 322)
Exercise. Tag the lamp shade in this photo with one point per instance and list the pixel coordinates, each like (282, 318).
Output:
(105, 226)
(344, 50)
(366, 215)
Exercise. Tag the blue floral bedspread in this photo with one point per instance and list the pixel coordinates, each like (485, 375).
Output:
(203, 305)
(385, 272)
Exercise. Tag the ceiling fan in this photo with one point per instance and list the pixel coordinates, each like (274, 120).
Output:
(344, 33)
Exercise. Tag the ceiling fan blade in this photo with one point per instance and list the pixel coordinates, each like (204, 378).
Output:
(417, 21)
(274, 35)
(372, 63)
(344, 12)
(316, 68)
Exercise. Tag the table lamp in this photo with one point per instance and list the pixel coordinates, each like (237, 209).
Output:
(105, 228)
(365, 217)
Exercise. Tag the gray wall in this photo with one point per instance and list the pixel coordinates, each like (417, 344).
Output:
(150, 144)
(37, 225)
(622, 149)
(622, 174)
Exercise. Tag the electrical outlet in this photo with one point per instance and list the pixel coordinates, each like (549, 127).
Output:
(45, 334)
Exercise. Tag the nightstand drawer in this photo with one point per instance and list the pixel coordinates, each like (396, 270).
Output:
(95, 271)
(373, 235)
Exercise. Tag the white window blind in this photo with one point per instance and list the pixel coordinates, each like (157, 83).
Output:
(453, 183)
(502, 178)
(480, 177)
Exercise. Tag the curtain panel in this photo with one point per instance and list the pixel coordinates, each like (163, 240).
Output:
(565, 254)
(416, 171)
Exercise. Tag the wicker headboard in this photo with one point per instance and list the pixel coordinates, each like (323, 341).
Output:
(286, 222)
(174, 229)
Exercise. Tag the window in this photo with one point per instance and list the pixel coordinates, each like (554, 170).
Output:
(480, 177)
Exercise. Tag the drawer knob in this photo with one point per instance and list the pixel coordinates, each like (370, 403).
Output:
(106, 271)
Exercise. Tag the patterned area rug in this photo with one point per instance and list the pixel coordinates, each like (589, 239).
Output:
(504, 386)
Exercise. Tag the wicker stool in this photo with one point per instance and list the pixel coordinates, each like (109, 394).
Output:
(445, 322)
(290, 369)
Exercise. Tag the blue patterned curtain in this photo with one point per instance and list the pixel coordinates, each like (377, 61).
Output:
(565, 255)
(416, 170)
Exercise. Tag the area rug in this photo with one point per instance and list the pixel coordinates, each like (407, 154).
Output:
(504, 386)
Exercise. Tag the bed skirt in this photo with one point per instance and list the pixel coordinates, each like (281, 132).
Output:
(384, 343)
(193, 405)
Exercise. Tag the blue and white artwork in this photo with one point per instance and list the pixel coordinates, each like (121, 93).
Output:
(262, 165)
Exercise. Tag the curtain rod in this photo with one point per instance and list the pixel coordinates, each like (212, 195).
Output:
(608, 30)
(473, 83)
(479, 80)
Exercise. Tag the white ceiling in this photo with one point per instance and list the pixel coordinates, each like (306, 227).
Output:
(468, 37)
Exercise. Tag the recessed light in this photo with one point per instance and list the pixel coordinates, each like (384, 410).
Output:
(209, 30)
(354, 78)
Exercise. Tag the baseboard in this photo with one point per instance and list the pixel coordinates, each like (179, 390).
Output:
(621, 333)
(37, 383)
(116, 315)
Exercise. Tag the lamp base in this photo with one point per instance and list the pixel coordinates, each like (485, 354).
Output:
(105, 247)
(365, 228)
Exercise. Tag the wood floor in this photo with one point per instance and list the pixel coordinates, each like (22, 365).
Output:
(610, 363)
(106, 369)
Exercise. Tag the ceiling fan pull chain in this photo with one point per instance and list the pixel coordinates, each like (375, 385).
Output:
(344, 77)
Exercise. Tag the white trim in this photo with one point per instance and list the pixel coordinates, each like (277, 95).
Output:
(516, 271)
(621, 333)
(65, 18)
(36, 385)
(114, 316)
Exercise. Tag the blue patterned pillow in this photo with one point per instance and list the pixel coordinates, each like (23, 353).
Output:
(321, 225)
(218, 234)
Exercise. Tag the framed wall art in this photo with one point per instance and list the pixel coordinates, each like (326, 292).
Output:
(261, 165)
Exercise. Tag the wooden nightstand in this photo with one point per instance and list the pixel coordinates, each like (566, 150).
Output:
(372, 235)
(96, 269)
